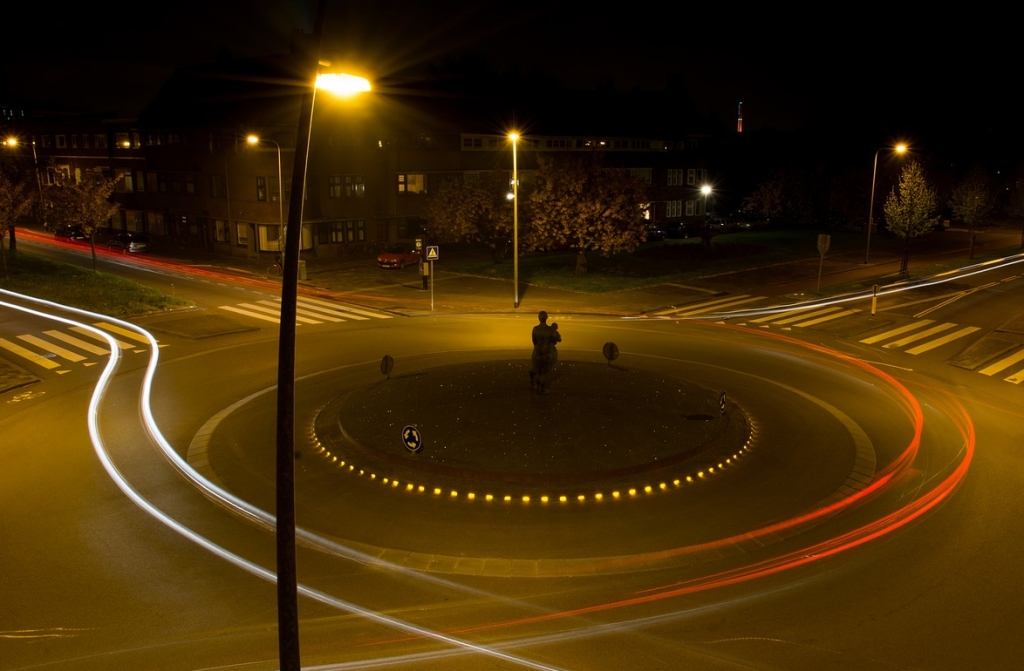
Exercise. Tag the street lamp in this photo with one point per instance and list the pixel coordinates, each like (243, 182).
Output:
(287, 583)
(899, 149)
(254, 140)
(13, 142)
(706, 190)
(515, 219)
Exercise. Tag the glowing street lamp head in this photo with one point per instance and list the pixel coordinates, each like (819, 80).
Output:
(705, 189)
(513, 136)
(11, 142)
(901, 148)
(342, 84)
(252, 139)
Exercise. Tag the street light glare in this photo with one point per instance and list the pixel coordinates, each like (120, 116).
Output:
(252, 139)
(11, 142)
(342, 84)
(705, 189)
(513, 136)
(900, 148)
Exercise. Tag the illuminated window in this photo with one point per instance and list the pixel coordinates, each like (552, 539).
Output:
(220, 230)
(261, 189)
(242, 234)
(412, 183)
(354, 186)
(334, 186)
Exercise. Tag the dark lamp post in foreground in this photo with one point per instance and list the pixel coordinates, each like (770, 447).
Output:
(899, 149)
(287, 583)
(514, 137)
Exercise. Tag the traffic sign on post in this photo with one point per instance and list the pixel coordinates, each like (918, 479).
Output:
(432, 253)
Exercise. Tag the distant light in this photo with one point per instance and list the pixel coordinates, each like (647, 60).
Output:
(705, 189)
(252, 139)
(342, 84)
(513, 136)
(11, 142)
(901, 148)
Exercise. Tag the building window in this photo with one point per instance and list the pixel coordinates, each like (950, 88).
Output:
(101, 141)
(122, 141)
(62, 141)
(337, 231)
(270, 237)
(242, 234)
(643, 174)
(85, 141)
(190, 184)
(690, 208)
(261, 189)
(133, 220)
(675, 177)
(412, 183)
(155, 223)
(673, 208)
(217, 189)
(354, 186)
(334, 186)
(220, 230)
(124, 181)
(44, 141)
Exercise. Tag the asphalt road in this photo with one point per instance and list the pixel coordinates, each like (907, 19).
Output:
(913, 568)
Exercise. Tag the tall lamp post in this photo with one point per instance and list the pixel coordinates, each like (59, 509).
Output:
(515, 219)
(13, 142)
(899, 149)
(287, 583)
(254, 140)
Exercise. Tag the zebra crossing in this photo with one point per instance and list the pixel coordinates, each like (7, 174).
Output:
(58, 350)
(308, 311)
(914, 338)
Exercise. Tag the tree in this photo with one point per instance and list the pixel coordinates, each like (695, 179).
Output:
(972, 200)
(910, 208)
(578, 203)
(475, 210)
(15, 200)
(85, 204)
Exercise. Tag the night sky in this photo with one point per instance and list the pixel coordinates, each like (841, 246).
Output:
(874, 72)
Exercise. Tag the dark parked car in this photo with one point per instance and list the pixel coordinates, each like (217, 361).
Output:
(655, 234)
(129, 241)
(71, 234)
(399, 256)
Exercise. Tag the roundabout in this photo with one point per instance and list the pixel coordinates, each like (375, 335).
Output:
(645, 475)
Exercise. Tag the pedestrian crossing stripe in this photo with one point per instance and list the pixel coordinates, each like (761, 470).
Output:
(307, 310)
(95, 336)
(28, 354)
(896, 331)
(919, 336)
(62, 345)
(77, 342)
(62, 352)
(938, 342)
(708, 306)
(1003, 363)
